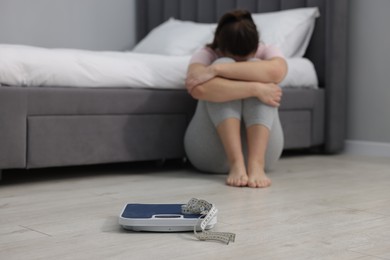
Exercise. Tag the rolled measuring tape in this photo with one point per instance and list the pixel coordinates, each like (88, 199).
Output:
(208, 211)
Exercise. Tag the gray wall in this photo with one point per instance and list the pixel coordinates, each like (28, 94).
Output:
(369, 71)
(86, 24)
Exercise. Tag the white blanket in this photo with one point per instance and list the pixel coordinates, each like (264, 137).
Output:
(34, 66)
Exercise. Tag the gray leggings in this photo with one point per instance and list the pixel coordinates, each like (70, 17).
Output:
(203, 146)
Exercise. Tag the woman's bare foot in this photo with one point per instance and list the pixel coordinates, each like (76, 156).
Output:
(237, 176)
(257, 177)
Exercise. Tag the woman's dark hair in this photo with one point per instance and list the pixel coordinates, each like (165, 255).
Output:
(236, 34)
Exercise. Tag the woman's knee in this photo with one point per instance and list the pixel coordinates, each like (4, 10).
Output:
(219, 112)
(224, 60)
(230, 60)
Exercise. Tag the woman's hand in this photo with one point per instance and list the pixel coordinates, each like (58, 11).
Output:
(270, 94)
(199, 74)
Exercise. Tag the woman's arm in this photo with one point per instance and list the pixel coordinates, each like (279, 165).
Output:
(202, 84)
(267, 71)
(223, 90)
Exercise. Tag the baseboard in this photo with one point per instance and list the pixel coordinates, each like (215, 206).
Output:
(376, 149)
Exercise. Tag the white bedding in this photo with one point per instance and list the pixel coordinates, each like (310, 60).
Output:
(34, 66)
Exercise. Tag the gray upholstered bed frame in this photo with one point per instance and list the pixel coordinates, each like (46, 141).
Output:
(45, 127)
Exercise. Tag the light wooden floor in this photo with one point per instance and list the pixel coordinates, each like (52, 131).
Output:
(319, 207)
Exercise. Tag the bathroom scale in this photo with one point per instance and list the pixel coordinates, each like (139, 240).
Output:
(160, 218)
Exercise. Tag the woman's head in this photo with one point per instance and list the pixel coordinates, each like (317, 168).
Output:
(236, 34)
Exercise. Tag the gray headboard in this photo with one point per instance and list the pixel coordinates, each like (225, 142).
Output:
(327, 49)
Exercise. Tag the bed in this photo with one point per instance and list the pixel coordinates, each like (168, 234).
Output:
(47, 126)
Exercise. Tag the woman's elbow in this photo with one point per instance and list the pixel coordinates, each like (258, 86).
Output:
(280, 71)
(194, 91)
(197, 92)
(278, 75)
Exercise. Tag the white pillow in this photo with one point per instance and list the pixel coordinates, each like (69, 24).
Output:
(175, 37)
(290, 30)
(301, 73)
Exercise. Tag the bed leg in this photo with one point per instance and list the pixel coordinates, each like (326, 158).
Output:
(1, 174)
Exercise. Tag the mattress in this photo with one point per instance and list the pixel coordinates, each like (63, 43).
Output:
(33, 66)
